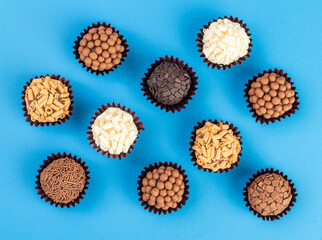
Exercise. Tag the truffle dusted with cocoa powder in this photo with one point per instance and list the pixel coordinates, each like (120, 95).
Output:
(169, 83)
(269, 194)
(63, 180)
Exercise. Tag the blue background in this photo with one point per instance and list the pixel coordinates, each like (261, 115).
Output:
(37, 38)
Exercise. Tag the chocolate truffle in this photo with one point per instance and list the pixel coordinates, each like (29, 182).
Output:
(169, 83)
(101, 48)
(269, 194)
(114, 130)
(225, 41)
(216, 147)
(47, 100)
(271, 95)
(163, 188)
(63, 180)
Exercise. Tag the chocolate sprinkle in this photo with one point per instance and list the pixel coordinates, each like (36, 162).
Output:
(63, 180)
(169, 83)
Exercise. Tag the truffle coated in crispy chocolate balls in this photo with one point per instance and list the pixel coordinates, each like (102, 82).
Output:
(98, 44)
(163, 187)
(271, 95)
(169, 83)
(269, 194)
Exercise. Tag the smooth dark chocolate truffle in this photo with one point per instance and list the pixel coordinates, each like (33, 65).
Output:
(269, 194)
(63, 180)
(169, 83)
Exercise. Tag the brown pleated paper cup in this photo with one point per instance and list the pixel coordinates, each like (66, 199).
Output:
(199, 41)
(77, 45)
(51, 159)
(153, 208)
(261, 118)
(182, 104)
(193, 138)
(60, 121)
(90, 137)
(284, 212)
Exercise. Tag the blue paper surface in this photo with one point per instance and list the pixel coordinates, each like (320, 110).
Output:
(37, 38)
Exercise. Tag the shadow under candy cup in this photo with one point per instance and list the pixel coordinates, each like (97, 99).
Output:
(151, 168)
(59, 121)
(45, 164)
(192, 142)
(284, 212)
(82, 34)
(213, 65)
(182, 104)
(90, 137)
(288, 113)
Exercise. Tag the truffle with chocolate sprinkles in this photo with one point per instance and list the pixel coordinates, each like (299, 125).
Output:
(169, 83)
(63, 180)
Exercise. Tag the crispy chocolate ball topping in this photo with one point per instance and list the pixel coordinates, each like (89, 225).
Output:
(163, 188)
(63, 180)
(169, 83)
(269, 194)
(271, 95)
(101, 48)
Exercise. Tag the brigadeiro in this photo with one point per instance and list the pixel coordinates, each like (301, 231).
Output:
(100, 48)
(163, 187)
(169, 83)
(224, 42)
(215, 146)
(47, 100)
(271, 96)
(114, 130)
(270, 194)
(62, 180)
